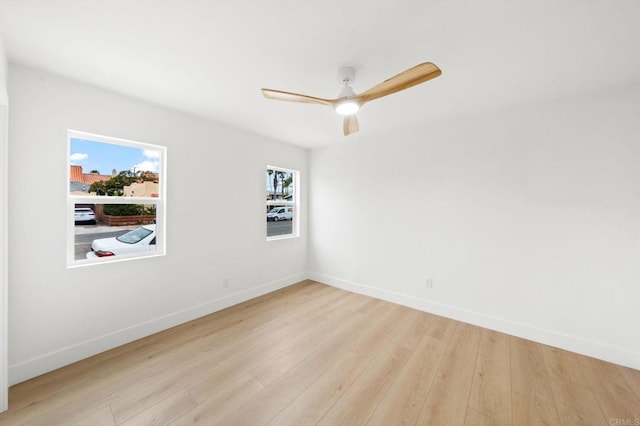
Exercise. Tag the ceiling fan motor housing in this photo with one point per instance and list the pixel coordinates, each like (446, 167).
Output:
(346, 75)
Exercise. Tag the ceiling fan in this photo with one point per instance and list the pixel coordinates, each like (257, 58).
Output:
(348, 102)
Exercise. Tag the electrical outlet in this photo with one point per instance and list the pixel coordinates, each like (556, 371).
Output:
(428, 282)
(226, 283)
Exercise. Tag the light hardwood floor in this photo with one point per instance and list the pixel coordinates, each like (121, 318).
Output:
(312, 354)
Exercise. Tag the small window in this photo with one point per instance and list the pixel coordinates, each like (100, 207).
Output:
(282, 208)
(116, 199)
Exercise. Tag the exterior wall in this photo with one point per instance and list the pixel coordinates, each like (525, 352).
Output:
(142, 189)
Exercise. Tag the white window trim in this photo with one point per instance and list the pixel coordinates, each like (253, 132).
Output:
(295, 232)
(160, 202)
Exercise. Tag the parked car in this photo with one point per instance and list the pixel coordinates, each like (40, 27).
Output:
(279, 213)
(84, 215)
(139, 240)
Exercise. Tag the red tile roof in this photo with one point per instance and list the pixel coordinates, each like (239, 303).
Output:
(77, 175)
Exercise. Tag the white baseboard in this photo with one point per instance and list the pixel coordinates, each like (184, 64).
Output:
(33, 367)
(42, 364)
(614, 354)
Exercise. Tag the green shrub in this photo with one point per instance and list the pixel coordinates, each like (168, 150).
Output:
(123, 209)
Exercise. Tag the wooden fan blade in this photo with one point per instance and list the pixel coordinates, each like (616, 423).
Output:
(279, 95)
(350, 124)
(416, 75)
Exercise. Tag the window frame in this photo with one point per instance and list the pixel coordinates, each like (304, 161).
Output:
(159, 202)
(295, 204)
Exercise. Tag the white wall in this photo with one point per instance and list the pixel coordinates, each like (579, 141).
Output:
(4, 110)
(215, 230)
(527, 220)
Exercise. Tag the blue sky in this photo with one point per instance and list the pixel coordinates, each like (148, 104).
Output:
(105, 157)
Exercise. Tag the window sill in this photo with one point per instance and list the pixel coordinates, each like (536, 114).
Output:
(282, 237)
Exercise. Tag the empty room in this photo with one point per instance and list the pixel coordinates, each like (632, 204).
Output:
(337, 213)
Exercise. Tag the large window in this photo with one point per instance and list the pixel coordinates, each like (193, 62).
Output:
(116, 199)
(282, 209)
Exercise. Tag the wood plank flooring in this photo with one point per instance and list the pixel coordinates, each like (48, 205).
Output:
(313, 354)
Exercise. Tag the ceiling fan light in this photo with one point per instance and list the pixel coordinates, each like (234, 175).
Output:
(347, 107)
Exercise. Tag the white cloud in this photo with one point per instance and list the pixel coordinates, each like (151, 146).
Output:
(78, 156)
(147, 166)
(150, 153)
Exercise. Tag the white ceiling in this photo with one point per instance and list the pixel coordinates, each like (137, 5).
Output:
(211, 57)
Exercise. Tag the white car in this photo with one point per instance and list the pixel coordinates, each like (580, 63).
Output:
(84, 214)
(279, 213)
(139, 240)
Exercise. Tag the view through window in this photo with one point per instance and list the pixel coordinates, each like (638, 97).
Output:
(115, 199)
(282, 203)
